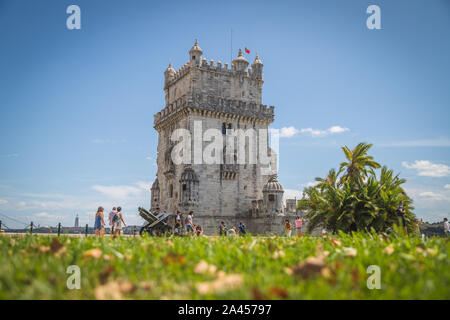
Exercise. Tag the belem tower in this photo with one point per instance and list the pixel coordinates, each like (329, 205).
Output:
(210, 95)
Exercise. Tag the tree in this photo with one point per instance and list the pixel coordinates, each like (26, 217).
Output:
(355, 199)
(358, 164)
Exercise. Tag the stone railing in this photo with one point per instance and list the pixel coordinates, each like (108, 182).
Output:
(229, 171)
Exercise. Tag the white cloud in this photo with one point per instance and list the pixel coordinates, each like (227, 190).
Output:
(322, 133)
(288, 132)
(121, 192)
(292, 194)
(144, 185)
(149, 158)
(337, 129)
(429, 195)
(314, 132)
(3, 201)
(310, 184)
(428, 169)
(447, 186)
(47, 215)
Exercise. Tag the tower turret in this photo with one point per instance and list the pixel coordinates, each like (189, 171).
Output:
(240, 63)
(195, 54)
(257, 68)
(155, 195)
(169, 74)
(273, 196)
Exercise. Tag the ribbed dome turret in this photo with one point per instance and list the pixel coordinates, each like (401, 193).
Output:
(257, 60)
(273, 185)
(196, 48)
(240, 58)
(188, 175)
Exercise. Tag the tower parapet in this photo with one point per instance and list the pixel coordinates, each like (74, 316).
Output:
(215, 106)
(212, 86)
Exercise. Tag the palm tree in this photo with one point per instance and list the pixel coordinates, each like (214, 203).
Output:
(358, 163)
(357, 200)
(330, 181)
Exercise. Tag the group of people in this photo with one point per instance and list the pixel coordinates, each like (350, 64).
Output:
(298, 226)
(188, 225)
(241, 229)
(115, 221)
(180, 227)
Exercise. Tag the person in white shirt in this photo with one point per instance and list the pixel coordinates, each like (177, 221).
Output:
(110, 218)
(178, 224)
(189, 223)
(446, 227)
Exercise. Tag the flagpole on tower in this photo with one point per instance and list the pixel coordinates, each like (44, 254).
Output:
(231, 50)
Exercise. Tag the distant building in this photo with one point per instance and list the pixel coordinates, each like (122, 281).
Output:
(77, 222)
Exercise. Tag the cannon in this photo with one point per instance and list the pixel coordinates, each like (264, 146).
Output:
(156, 223)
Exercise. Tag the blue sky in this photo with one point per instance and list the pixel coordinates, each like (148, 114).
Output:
(76, 106)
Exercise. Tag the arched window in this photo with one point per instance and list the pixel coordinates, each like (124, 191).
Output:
(170, 190)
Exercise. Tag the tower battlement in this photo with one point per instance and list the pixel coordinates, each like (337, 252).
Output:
(230, 89)
(215, 67)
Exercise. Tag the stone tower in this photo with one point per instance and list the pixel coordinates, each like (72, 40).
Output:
(201, 96)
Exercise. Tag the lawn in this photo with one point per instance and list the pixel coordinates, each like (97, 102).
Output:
(35, 267)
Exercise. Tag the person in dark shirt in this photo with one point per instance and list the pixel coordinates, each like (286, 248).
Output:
(222, 228)
(242, 229)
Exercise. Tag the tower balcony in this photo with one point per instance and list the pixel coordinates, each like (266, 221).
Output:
(214, 105)
(229, 171)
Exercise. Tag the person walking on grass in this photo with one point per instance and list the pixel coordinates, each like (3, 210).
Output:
(110, 217)
(446, 228)
(287, 228)
(99, 224)
(178, 225)
(298, 225)
(242, 229)
(222, 229)
(117, 222)
(189, 223)
(401, 212)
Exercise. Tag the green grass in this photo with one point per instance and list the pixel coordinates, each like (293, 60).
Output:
(31, 267)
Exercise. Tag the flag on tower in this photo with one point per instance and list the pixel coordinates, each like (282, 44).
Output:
(247, 51)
